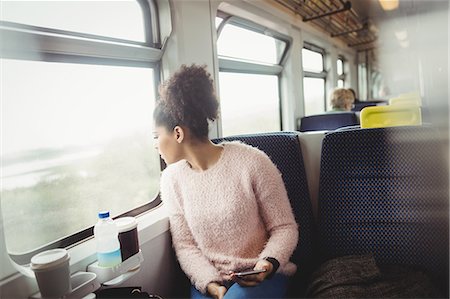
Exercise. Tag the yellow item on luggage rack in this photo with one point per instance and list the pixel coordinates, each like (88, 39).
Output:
(390, 116)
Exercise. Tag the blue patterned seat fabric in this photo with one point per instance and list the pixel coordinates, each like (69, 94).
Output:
(385, 191)
(284, 150)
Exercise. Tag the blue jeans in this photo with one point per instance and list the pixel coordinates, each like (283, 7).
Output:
(275, 287)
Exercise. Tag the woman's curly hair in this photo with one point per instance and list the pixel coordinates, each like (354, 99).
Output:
(187, 99)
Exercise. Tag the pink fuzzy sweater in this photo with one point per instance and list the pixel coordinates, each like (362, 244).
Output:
(230, 215)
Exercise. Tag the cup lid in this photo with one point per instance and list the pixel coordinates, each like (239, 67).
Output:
(125, 224)
(49, 259)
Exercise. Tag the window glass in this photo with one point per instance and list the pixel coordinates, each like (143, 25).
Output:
(340, 83)
(379, 90)
(117, 19)
(314, 95)
(312, 61)
(240, 43)
(313, 84)
(340, 67)
(362, 81)
(249, 103)
(75, 141)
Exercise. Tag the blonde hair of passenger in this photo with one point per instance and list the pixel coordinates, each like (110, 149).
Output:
(342, 98)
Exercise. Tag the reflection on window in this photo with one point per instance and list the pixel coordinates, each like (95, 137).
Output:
(75, 141)
(312, 61)
(249, 103)
(314, 94)
(240, 43)
(118, 19)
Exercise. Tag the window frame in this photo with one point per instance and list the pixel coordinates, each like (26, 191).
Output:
(254, 68)
(320, 75)
(33, 43)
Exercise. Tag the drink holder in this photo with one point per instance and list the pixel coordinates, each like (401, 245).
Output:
(109, 276)
(82, 283)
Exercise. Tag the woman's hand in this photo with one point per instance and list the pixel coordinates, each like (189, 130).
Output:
(216, 290)
(253, 280)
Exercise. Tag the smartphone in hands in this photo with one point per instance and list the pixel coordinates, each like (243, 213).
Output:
(250, 272)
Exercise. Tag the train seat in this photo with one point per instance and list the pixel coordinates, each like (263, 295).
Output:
(328, 121)
(386, 193)
(284, 150)
(361, 105)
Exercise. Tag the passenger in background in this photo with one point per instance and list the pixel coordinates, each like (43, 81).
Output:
(354, 96)
(342, 100)
(228, 207)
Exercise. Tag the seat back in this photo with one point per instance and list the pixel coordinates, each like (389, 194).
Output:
(361, 105)
(284, 150)
(385, 191)
(328, 121)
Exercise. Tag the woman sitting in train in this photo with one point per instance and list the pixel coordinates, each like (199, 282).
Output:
(228, 207)
(341, 99)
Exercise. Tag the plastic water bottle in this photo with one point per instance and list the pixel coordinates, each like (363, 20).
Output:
(106, 237)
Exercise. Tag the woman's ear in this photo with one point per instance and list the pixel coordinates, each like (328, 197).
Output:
(179, 133)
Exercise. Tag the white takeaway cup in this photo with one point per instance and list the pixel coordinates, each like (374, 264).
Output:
(51, 268)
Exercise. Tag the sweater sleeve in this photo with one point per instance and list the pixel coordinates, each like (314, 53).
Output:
(193, 262)
(276, 211)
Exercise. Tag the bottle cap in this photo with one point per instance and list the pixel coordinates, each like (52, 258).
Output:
(103, 214)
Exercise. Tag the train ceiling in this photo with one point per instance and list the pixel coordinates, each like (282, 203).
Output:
(338, 18)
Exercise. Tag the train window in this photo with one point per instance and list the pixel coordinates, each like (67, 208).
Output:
(74, 142)
(314, 93)
(116, 19)
(312, 61)
(250, 59)
(240, 43)
(249, 103)
(76, 129)
(362, 81)
(379, 90)
(314, 77)
(340, 66)
(340, 72)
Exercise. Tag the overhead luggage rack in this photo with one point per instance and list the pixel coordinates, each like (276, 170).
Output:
(338, 18)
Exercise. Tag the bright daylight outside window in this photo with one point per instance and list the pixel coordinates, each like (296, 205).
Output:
(314, 93)
(76, 138)
(249, 99)
(259, 112)
(340, 72)
(313, 82)
(80, 16)
(243, 44)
